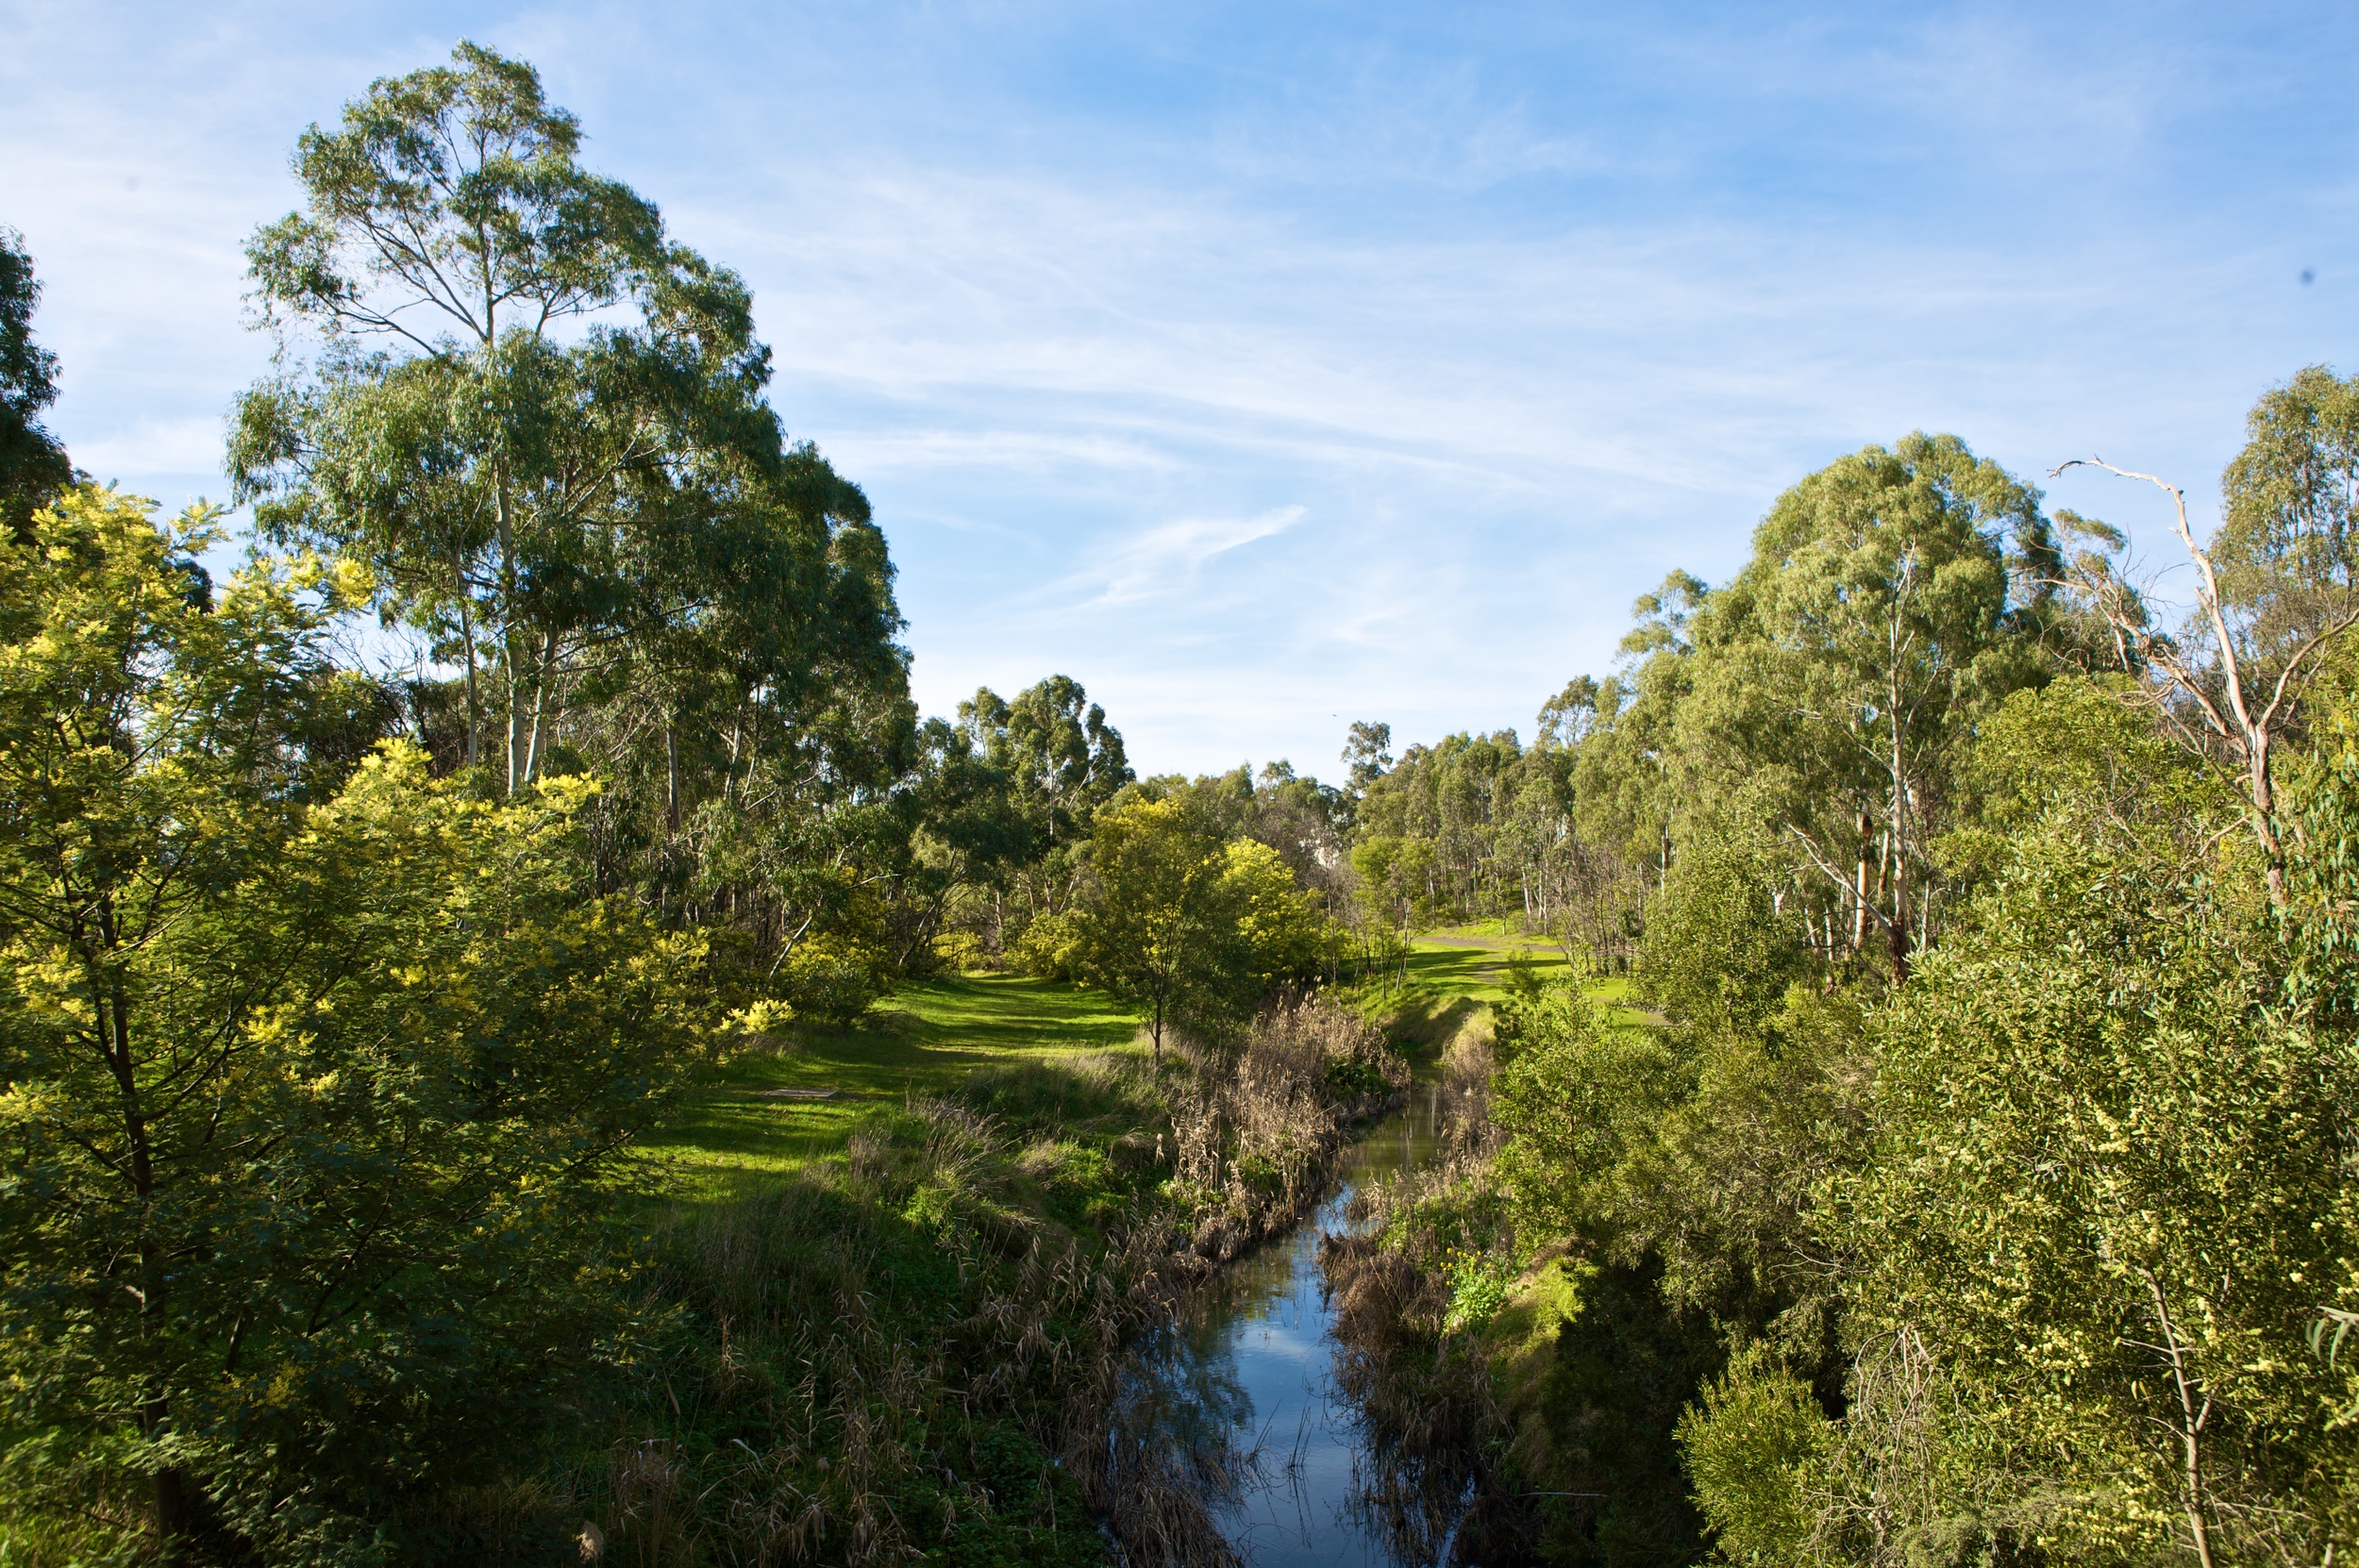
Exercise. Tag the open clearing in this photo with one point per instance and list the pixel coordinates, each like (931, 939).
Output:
(921, 1040)
(731, 1131)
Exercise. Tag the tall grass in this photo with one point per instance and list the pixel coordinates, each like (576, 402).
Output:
(925, 1346)
(1432, 1480)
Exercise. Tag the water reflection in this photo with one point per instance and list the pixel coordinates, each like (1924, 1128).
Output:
(1243, 1388)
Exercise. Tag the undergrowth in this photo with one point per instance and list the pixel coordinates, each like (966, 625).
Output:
(914, 1352)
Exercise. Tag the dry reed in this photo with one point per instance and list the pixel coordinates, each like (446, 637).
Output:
(844, 1345)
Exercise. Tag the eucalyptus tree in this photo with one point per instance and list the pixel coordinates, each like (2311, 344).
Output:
(528, 407)
(2276, 591)
(970, 834)
(33, 466)
(1891, 597)
(1627, 791)
(2105, 1202)
(1063, 762)
(1369, 753)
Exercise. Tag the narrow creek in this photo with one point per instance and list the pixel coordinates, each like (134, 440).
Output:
(1245, 1380)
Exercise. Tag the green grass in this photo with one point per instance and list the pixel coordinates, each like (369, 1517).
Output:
(923, 1039)
(725, 1139)
(1470, 962)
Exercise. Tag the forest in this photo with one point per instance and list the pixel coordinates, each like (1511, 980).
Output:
(1911, 1120)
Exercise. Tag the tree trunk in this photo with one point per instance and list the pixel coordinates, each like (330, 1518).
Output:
(510, 653)
(475, 699)
(671, 774)
(1900, 843)
(2263, 793)
(167, 1492)
(1859, 891)
(539, 698)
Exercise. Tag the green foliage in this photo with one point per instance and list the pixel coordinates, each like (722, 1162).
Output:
(1061, 756)
(1159, 930)
(33, 466)
(2286, 554)
(557, 464)
(1053, 763)
(1522, 978)
(1050, 947)
(1719, 955)
(2104, 1024)
(1480, 1284)
(1574, 1095)
(314, 1085)
(1988, 1199)
(1756, 1446)
(1279, 931)
(2073, 751)
(1196, 928)
(833, 977)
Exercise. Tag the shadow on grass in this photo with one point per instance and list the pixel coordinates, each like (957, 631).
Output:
(725, 1139)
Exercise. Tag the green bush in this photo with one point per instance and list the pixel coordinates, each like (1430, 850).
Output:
(1756, 1446)
(833, 979)
(1050, 947)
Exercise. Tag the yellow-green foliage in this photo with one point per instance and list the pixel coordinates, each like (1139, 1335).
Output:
(302, 1071)
(1756, 1446)
(1279, 926)
(1050, 947)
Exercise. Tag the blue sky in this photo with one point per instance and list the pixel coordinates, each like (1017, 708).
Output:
(1269, 367)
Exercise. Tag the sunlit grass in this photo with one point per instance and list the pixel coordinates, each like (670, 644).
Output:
(725, 1137)
(923, 1039)
(1472, 962)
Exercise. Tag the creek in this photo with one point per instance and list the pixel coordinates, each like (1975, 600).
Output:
(1245, 1381)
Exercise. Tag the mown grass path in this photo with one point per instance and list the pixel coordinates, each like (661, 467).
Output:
(923, 1039)
(1469, 963)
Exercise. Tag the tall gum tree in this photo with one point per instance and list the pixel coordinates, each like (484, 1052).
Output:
(2276, 591)
(1891, 596)
(524, 397)
(1063, 762)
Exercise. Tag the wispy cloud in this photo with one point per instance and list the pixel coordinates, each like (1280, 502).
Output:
(150, 449)
(1165, 560)
(1263, 364)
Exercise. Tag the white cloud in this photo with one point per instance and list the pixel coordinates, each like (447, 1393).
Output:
(1164, 560)
(1260, 365)
(151, 449)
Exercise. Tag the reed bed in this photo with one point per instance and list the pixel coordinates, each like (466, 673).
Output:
(928, 1347)
(1432, 1479)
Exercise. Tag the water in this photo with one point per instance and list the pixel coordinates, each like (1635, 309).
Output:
(1248, 1376)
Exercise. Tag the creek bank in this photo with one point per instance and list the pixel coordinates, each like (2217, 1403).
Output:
(919, 1346)
(1432, 1320)
(1238, 1383)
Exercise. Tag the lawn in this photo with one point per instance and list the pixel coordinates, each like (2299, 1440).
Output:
(1471, 961)
(927, 1037)
(923, 1038)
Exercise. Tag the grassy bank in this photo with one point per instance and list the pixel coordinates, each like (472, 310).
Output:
(889, 1322)
(731, 1132)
